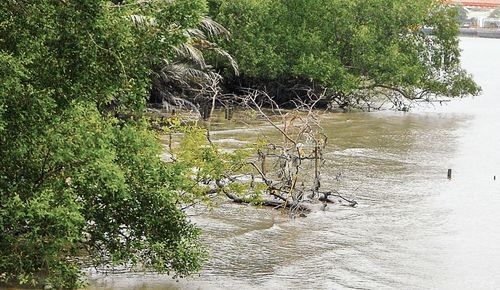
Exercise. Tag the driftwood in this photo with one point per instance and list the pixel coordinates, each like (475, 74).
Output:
(327, 197)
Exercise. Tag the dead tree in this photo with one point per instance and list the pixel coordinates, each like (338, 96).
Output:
(285, 172)
(291, 168)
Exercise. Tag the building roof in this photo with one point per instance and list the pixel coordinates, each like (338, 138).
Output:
(478, 3)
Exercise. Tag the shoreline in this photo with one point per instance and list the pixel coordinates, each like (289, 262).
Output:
(480, 32)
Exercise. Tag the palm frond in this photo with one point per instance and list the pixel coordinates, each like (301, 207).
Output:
(198, 75)
(141, 20)
(229, 58)
(183, 73)
(189, 75)
(195, 33)
(192, 54)
(213, 28)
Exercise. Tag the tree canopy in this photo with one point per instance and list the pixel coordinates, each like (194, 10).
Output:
(407, 47)
(80, 174)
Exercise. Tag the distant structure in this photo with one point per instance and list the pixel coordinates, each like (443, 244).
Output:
(478, 13)
(477, 3)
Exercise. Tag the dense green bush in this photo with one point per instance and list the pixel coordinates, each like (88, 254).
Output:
(80, 174)
(347, 45)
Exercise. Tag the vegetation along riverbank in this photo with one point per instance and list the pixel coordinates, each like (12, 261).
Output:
(81, 179)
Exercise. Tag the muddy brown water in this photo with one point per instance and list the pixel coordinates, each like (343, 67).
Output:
(413, 228)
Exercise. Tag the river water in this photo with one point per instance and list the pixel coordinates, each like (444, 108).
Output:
(413, 228)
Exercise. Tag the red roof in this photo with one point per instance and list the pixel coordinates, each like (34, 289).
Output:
(478, 3)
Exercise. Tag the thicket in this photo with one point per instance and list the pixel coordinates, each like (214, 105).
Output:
(80, 173)
(358, 50)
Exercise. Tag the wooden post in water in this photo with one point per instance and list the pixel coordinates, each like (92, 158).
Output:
(231, 111)
(449, 173)
(228, 112)
(206, 110)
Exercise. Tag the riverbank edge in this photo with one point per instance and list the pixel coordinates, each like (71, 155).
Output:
(478, 32)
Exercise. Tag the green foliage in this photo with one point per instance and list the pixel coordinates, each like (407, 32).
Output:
(79, 169)
(249, 193)
(206, 161)
(495, 13)
(348, 45)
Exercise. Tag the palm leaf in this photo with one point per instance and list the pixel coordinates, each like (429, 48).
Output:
(228, 57)
(140, 20)
(214, 29)
(192, 54)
